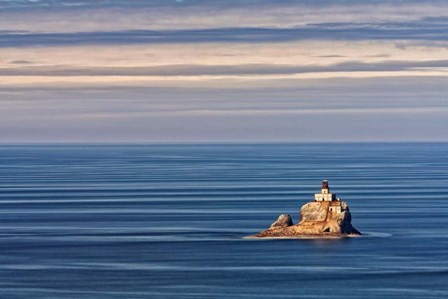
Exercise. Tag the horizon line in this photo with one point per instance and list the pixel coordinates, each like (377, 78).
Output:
(220, 142)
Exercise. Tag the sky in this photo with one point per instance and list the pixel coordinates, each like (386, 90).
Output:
(176, 71)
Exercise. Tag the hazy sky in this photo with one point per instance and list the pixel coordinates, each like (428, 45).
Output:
(225, 71)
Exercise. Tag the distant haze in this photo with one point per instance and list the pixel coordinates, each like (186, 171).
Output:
(223, 71)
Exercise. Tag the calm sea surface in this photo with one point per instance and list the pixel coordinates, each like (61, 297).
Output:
(168, 221)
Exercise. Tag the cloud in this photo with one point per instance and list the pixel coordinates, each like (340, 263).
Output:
(20, 62)
(309, 110)
(117, 16)
(218, 64)
(287, 53)
(228, 70)
(421, 31)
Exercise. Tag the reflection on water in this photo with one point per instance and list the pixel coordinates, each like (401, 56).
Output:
(165, 221)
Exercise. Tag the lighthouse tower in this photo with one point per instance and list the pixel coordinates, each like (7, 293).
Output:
(325, 194)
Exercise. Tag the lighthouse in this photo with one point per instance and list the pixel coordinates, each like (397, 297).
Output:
(325, 194)
(333, 203)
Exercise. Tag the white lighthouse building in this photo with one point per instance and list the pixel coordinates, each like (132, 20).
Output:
(325, 195)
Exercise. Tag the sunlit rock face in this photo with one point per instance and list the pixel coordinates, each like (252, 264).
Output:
(284, 220)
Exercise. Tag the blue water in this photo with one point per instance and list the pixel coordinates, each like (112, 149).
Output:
(168, 221)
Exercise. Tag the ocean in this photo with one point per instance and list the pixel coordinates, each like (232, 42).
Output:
(169, 221)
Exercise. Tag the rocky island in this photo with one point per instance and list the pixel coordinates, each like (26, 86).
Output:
(325, 217)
